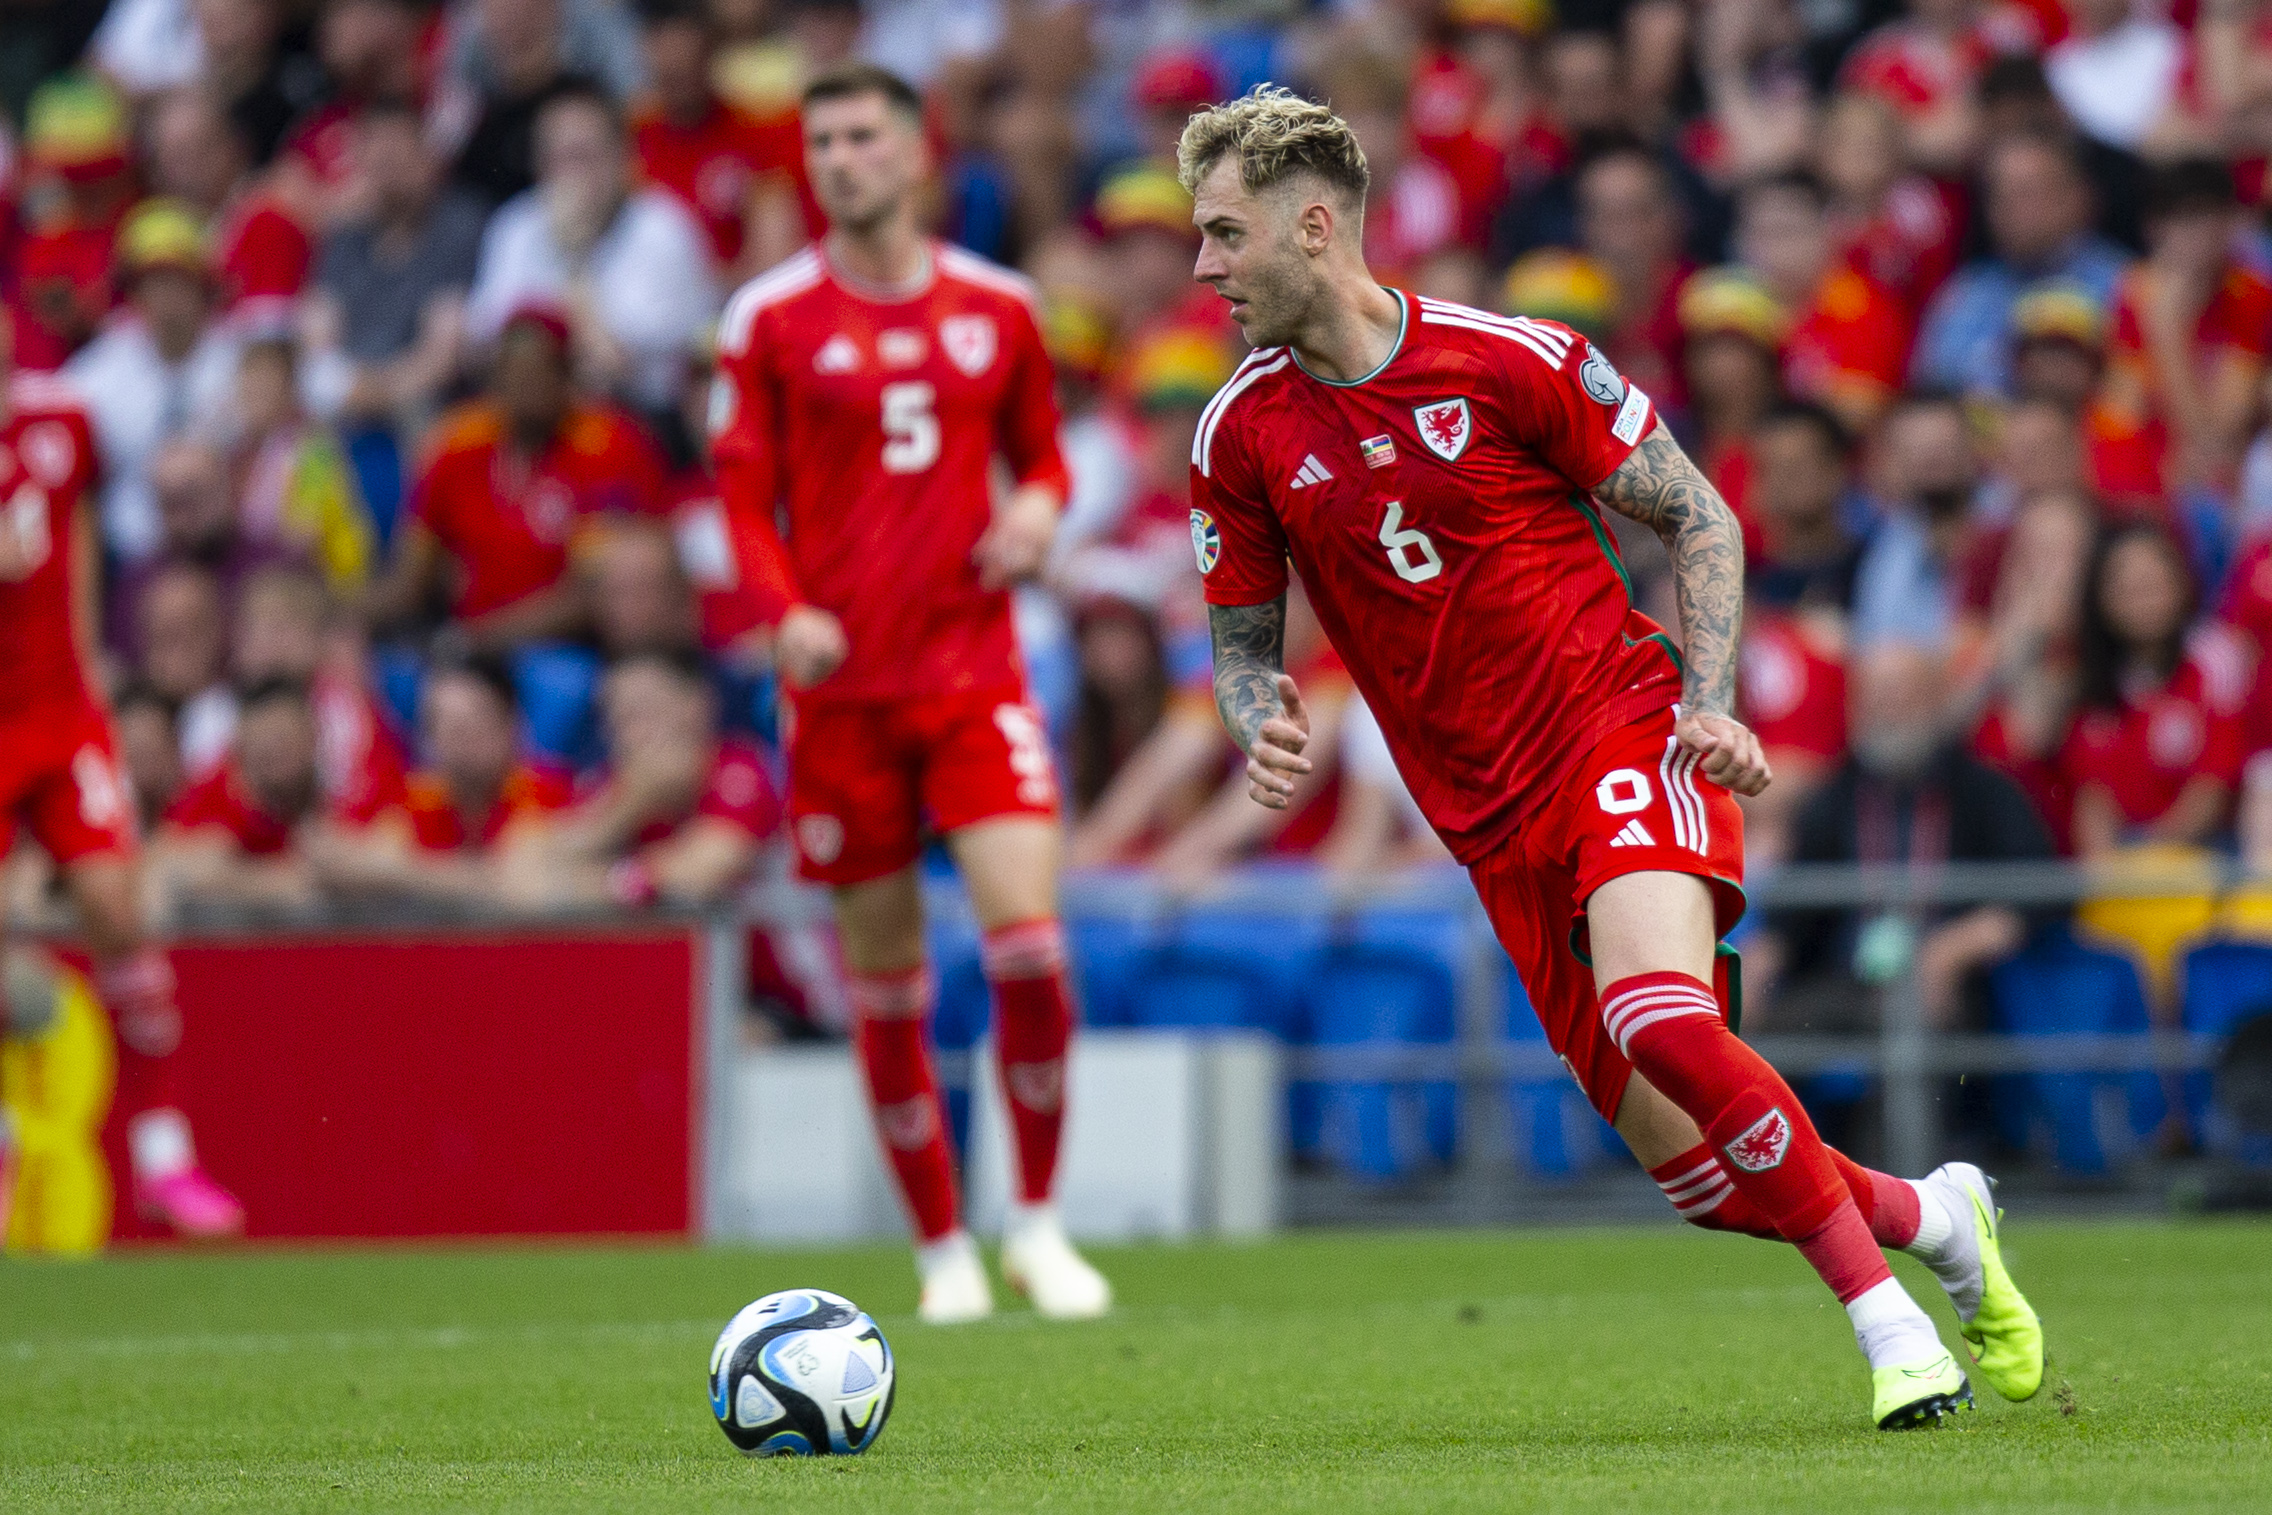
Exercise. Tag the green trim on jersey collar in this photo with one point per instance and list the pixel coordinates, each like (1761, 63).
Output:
(1403, 323)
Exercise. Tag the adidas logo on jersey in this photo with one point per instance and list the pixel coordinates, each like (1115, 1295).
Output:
(1311, 472)
(1634, 835)
(836, 355)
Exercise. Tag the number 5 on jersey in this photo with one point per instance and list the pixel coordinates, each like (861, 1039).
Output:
(1402, 544)
(911, 426)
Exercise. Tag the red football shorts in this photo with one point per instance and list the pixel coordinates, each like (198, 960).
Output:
(864, 776)
(59, 776)
(1637, 804)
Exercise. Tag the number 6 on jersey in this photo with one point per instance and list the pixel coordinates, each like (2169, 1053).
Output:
(1400, 543)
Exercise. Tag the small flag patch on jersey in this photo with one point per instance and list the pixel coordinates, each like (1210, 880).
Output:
(1634, 835)
(1379, 451)
(1311, 472)
(1206, 540)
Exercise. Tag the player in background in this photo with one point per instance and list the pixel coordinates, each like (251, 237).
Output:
(865, 389)
(1433, 473)
(59, 777)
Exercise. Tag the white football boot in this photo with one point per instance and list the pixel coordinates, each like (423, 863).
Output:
(1041, 1264)
(954, 1281)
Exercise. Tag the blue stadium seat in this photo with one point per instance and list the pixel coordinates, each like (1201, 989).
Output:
(1558, 1137)
(1383, 999)
(1106, 952)
(1224, 968)
(2226, 984)
(2061, 988)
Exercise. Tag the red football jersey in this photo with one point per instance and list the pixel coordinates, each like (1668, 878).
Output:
(47, 465)
(740, 792)
(510, 525)
(438, 825)
(221, 799)
(1794, 690)
(1438, 512)
(2146, 753)
(872, 422)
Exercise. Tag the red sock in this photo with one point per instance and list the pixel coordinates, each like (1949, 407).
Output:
(1033, 1022)
(138, 991)
(1703, 1195)
(903, 1091)
(1889, 1204)
(1671, 1027)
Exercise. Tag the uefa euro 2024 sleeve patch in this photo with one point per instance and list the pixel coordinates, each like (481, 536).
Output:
(1206, 540)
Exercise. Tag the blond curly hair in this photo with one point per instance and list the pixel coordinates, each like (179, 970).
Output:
(1275, 134)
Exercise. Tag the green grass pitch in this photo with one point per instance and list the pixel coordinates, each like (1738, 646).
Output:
(1553, 1370)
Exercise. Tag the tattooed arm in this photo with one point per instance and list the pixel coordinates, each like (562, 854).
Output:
(1659, 487)
(1261, 708)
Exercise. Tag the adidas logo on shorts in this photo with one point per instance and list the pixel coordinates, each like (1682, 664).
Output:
(1634, 835)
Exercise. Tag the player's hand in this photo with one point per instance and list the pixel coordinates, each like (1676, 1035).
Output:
(1016, 543)
(808, 646)
(1733, 758)
(1275, 761)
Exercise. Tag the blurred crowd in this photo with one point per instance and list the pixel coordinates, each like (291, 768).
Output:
(394, 319)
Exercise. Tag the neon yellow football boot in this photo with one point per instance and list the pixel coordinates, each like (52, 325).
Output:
(2001, 1335)
(1918, 1395)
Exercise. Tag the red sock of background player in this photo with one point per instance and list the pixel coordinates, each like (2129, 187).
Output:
(138, 991)
(903, 1092)
(1032, 1025)
(1670, 1025)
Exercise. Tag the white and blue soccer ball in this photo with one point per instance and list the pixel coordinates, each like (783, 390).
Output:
(801, 1373)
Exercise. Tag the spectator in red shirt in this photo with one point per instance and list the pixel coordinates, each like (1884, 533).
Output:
(2155, 754)
(202, 158)
(1925, 65)
(1793, 689)
(742, 177)
(2034, 646)
(1629, 222)
(1893, 225)
(441, 843)
(2192, 330)
(76, 143)
(232, 837)
(1413, 209)
(1732, 334)
(681, 816)
(1848, 343)
(509, 486)
(288, 628)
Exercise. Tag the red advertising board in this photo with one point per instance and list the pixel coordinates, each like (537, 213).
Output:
(444, 1085)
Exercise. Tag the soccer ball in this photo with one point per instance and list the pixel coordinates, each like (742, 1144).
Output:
(803, 1373)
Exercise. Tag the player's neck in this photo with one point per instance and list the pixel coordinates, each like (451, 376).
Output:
(888, 258)
(1352, 331)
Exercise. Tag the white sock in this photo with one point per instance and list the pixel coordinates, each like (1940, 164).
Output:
(158, 1143)
(1934, 1224)
(1890, 1329)
(1025, 1219)
(953, 1248)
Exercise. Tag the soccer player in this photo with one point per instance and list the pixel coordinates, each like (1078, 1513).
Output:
(865, 389)
(1436, 475)
(59, 776)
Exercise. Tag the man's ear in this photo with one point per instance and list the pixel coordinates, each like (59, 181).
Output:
(1314, 227)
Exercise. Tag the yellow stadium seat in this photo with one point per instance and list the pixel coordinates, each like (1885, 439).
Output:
(2153, 930)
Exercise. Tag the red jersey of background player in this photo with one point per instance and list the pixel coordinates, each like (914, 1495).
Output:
(874, 419)
(1438, 513)
(47, 466)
